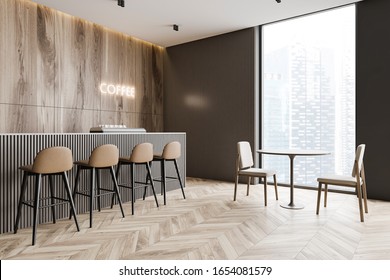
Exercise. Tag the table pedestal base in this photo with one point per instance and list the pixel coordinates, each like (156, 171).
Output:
(292, 205)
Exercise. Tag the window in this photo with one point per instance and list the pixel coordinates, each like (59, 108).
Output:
(309, 93)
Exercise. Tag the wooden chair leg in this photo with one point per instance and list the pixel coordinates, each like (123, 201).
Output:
(248, 185)
(365, 196)
(325, 195)
(319, 198)
(235, 188)
(359, 192)
(276, 187)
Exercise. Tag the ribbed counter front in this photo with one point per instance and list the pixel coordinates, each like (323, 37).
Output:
(20, 149)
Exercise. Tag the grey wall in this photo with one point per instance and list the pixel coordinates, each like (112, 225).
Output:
(209, 92)
(373, 94)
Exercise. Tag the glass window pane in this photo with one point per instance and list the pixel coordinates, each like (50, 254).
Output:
(309, 93)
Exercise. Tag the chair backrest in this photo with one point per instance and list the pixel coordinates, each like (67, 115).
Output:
(104, 156)
(244, 154)
(358, 159)
(142, 153)
(172, 150)
(53, 160)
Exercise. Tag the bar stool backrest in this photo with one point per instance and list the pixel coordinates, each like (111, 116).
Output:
(104, 156)
(172, 150)
(53, 160)
(142, 153)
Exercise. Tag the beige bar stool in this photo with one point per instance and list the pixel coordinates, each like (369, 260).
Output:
(51, 161)
(171, 152)
(102, 157)
(142, 154)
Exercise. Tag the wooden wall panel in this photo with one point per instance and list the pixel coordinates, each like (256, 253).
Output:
(26, 118)
(77, 81)
(57, 62)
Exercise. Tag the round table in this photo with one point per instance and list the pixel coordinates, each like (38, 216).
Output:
(291, 153)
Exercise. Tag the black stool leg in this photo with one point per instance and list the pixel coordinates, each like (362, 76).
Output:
(116, 189)
(72, 207)
(91, 195)
(147, 180)
(179, 177)
(98, 188)
(117, 178)
(36, 205)
(76, 184)
(163, 181)
(52, 195)
(132, 187)
(21, 200)
(151, 182)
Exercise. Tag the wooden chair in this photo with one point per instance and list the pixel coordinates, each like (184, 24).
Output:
(244, 167)
(357, 181)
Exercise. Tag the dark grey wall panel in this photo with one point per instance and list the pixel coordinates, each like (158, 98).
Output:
(209, 92)
(373, 98)
(20, 149)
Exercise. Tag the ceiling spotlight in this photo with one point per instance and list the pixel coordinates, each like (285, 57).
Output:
(175, 27)
(121, 3)
(278, 1)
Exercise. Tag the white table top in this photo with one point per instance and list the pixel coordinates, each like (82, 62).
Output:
(293, 152)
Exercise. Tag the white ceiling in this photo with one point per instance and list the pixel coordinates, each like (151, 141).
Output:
(152, 20)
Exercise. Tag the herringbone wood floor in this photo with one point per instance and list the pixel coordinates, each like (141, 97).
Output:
(209, 225)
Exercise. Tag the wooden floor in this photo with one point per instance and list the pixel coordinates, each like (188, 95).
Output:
(209, 225)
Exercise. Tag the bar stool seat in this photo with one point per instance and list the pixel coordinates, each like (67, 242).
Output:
(142, 154)
(102, 157)
(171, 152)
(48, 162)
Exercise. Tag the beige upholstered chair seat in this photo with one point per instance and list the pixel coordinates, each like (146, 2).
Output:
(339, 180)
(256, 172)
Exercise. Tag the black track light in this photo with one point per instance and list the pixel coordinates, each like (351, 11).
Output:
(278, 1)
(175, 27)
(121, 3)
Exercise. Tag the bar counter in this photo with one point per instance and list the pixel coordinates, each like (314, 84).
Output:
(20, 149)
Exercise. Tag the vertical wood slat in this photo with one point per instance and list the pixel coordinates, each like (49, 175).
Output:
(20, 149)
